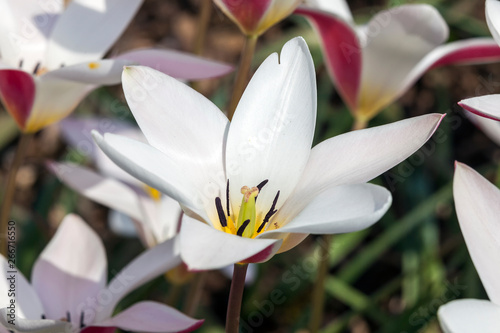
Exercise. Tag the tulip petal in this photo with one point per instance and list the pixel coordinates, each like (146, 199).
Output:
(164, 215)
(245, 14)
(87, 29)
(177, 64)
(26, 26)
(182, 124)
(395, 41)
(469, 315)
(17, 90)
(71, 268)
(342, 52)
(27, 303)
(492, 8)
(337, 7)
(98, 188)
(34, 325)
(77, 132)
(122, 225)
(205, 248)
(54, 100)
(152, 317)
(153, 168)
(100, 72)
(476, 202)
(486, 106)
(271, 134)
(142, 269)
(359, 156)
(489, 127)
(337, 210)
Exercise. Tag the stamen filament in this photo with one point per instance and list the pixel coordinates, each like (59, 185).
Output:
(270, 213)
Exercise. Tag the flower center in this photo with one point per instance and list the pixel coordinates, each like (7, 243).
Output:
(247, 224)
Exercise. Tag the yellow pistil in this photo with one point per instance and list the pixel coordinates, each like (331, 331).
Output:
(247, 216)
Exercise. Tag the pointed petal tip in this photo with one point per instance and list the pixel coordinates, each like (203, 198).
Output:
(98, 138)
(195, 326)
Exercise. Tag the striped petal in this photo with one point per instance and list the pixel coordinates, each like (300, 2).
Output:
(486, 106)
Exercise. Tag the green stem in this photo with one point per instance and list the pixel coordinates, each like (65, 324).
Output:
(10, 186)
(318, 297)
(194, 296)
(235, 298)
(241, 80)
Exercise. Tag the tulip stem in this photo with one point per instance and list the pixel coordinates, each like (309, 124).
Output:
(10, 186)
(318, 296)
(235, 298)
(359, 124)
(194, 295)
(202, 28)
(241, 80)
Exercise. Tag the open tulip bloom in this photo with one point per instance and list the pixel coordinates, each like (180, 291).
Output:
(254, 187)
(478, 210)
(51, 56)
(255, 17)
(69, 293)
(374, 64)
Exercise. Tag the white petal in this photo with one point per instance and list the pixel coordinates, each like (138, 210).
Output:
(183, 66)
(340, 209)
(469, 315)
(395, 42)
(25, 27)
(27, 303)
(184, 125)
(476, 202)
(98, 72)
(487, 106)
(204, 248)
(142, 269)
(489, 127)
(152, 317)
(99, 189)
(272, 130)
(359, 156)
(492, 8)
(153, 168)
(71, 268)
(87, 29)
(54, 100)
(35, 325)
(337, 7)
(250, 277)
(163, 217)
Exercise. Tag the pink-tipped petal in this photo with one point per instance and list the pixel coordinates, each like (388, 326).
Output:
(17, 90)
(144, 268)
(486, 106)
(153, 317)
(342, 51)
(489, 127)
(469, 315)
(476, 202)
(71, 268)
(463, 52)
(337, 7)
(204, 248)
(177, 64)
